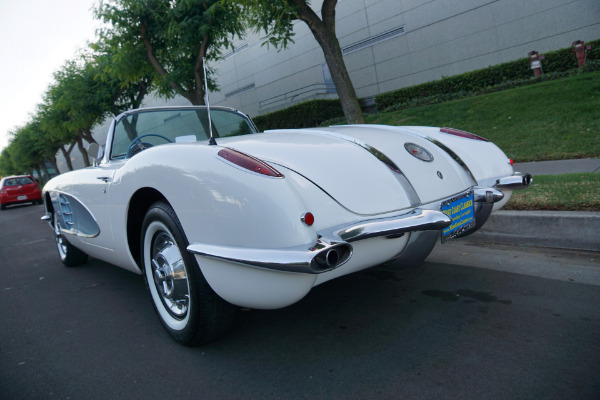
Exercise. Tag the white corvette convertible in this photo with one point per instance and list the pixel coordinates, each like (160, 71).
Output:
(257, 219)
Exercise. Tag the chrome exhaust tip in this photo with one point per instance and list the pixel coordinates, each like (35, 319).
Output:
(332, 257)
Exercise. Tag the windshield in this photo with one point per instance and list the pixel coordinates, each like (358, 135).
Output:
(174, 126)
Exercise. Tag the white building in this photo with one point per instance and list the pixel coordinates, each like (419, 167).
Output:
(390, 44)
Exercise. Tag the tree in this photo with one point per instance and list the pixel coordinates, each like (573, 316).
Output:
(24, 155)
(276, 17)
(54, 122)
(175, 35)
(80, 99)
(124, 69)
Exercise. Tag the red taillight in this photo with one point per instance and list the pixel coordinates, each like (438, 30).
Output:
(308, 218)
(248, 162)
(458, 132)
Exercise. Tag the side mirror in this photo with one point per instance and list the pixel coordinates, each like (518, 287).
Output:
(95, 151)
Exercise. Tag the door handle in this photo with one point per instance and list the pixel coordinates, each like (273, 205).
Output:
(105, 179)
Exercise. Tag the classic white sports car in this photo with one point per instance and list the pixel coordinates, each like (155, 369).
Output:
(257, 219)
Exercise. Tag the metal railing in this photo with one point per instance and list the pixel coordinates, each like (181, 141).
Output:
(306, 91)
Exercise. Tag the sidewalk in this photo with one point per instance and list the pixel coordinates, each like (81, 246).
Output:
(578, 230)
(559, 167)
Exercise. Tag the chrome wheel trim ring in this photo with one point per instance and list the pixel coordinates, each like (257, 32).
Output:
(60, 240)
(166, 275)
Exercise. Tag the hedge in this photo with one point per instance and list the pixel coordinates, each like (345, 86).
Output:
(502, 76)
(304, 115)
(558, 61)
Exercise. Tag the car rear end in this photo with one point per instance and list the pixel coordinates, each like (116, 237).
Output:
(19, 189)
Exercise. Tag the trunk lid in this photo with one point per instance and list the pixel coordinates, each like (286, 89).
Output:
(351, 175)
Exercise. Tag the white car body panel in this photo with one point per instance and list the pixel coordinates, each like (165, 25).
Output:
(326, 171)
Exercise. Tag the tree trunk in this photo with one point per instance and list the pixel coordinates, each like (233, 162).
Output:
(43, 165)
(39, 174)
(87, 135)
(84, 154)
(54, 165)
(324, 33)
(67, 155)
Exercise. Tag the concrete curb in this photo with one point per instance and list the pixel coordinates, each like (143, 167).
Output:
(579, 230)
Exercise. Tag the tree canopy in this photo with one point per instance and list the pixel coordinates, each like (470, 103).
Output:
(175, 36)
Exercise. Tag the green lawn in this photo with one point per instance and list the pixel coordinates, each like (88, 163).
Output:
(551, 120)
(568, 192)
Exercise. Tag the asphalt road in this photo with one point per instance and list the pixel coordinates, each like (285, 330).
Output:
(473, 322)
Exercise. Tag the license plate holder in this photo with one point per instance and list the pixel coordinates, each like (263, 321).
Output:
(461, 210)
(19, 198)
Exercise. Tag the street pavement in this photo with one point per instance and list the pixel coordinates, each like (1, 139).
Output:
(578, 230)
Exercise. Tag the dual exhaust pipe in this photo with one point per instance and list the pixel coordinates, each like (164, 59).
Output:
(332, 257)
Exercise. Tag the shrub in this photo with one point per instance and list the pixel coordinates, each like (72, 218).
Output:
(556, 62)
(304, 115)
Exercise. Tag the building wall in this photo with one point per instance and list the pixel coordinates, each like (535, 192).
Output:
(415, 41)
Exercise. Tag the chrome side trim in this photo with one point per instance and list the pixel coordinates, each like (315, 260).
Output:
(76, 218)
(515, 182)
(409, 189)
(453, 155)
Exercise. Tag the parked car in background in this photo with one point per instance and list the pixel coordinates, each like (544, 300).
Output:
(216, 215)
(19, 189)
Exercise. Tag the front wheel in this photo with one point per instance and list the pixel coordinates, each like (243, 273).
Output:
(70, 255)
(186, 305)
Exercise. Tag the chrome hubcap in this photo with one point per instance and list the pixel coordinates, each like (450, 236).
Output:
(170, 275)
(60, 241)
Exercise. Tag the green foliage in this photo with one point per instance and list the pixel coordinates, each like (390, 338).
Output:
(125, 69)
(174, 37)
(273, 18)
(28, 148)
(556, 62)
(304, 115)
(81, 96)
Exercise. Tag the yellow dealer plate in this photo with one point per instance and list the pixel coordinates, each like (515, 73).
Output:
(462, 212)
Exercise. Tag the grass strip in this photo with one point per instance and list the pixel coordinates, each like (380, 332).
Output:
(568, 192)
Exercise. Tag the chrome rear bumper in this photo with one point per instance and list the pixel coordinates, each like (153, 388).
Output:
(515, 182)
(332, 248)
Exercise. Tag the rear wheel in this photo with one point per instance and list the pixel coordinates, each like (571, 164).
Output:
(70, 255)
(186, 305)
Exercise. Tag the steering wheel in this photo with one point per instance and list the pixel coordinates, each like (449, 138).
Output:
(137, 145)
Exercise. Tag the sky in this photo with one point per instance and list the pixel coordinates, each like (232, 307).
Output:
(36, 38)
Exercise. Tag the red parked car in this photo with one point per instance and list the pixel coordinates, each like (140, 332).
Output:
(19, 189)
